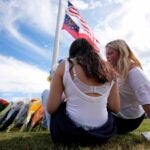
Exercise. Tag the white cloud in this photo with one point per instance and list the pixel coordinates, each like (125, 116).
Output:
(82, 5)
(41, 15)
(17, 76)
(94, 4)
(128, 22)
(37, 14)
(116, 1)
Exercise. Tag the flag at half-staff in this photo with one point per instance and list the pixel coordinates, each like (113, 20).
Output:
(79, 28)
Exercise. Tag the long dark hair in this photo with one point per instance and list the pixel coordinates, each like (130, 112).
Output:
(86, 56)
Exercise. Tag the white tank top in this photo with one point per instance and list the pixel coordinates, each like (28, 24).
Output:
(86, 111)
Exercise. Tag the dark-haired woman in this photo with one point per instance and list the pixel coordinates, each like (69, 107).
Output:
(90, 92)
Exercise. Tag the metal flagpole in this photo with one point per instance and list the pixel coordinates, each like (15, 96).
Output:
(57, 35)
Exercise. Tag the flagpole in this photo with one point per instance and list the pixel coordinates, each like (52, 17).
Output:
(57, 35)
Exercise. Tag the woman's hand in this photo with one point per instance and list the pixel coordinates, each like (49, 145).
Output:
(147, 109)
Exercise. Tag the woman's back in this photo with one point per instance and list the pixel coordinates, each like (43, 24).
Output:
(86, 109)
(82, 81)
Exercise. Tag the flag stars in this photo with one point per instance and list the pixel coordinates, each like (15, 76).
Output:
(71, 23)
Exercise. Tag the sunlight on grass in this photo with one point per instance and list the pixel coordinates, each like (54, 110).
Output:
(42, 141)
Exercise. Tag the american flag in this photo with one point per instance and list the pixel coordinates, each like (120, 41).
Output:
(86, 32)
(72, 11)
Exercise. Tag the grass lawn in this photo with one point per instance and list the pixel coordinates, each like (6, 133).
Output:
(42, 141)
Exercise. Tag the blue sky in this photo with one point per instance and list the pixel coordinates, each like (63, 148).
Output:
(27, 31)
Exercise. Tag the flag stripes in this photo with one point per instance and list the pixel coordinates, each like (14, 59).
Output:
(83, 29)
(72, 11)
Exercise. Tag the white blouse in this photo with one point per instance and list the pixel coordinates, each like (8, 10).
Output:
(134, 93)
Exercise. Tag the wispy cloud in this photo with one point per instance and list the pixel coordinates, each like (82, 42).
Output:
(17, 76)
(116, 1)
(39, 15)
(18, 36)
(82, 5)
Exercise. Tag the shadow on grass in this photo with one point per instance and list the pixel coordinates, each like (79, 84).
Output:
(42, 141)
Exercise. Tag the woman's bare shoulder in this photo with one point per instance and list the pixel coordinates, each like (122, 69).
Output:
(61, 68)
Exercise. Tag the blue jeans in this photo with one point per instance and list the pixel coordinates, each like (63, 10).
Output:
(47, 116)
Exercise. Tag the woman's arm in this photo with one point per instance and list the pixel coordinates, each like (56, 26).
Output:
(114, 99)
(56, 89)
(146, 107)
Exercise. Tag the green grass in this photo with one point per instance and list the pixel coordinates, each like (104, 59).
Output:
(42, 141)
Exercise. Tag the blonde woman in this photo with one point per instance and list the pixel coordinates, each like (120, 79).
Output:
(134, 87)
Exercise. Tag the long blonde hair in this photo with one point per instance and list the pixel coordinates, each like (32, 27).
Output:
(127, 57)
